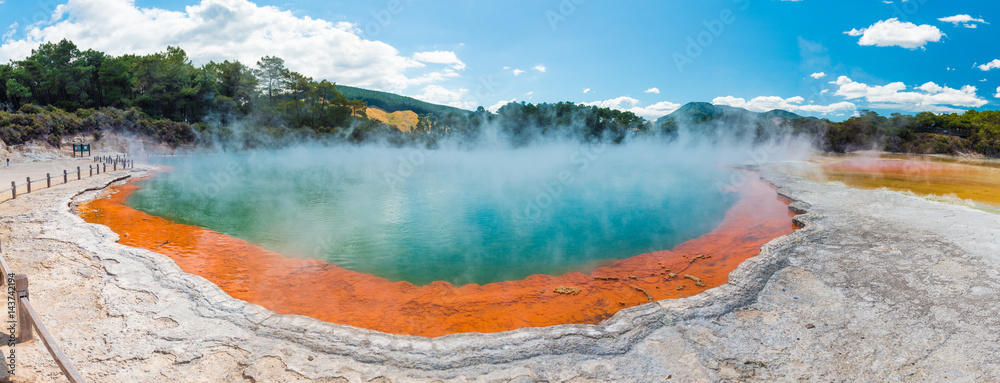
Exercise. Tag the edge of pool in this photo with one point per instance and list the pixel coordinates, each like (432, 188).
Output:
(614, 336)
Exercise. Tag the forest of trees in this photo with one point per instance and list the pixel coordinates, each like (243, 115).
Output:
(923, 133)
(60, 90)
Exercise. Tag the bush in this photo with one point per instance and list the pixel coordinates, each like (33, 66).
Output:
(51, 124)
(30, 109)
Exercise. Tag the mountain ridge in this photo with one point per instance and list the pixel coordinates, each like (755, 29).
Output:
(695, 111)
(391, 102)
(704, 111)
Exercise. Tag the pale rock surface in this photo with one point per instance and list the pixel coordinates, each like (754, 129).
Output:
(878, 286)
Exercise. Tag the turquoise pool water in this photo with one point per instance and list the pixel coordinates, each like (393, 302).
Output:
(448, 215)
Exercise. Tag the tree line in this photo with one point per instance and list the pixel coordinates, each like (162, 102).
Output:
(166, 86)
(924, 133)
(60, 90)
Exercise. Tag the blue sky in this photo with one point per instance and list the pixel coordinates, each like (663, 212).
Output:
(818, 58)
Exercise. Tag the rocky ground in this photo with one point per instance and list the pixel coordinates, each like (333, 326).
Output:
(878, 286)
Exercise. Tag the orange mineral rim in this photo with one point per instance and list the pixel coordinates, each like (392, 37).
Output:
(324, 291)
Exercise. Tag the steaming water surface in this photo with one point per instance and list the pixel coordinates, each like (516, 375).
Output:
(448, 215)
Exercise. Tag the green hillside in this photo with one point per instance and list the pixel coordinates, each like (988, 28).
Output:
(703, 112)
(781, 113)
(390, 102)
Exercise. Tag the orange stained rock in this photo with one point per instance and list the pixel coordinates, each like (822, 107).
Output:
(330, 293)
(977, 181)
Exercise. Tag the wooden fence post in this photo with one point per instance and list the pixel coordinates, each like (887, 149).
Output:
(91, 167)
(65, 177)
(105, 168)
(13, 190)
(78, 175)
(29, 185)
(48, 180)
(23, 319)
(114, 166)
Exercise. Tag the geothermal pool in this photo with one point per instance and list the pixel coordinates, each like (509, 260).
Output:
(455, 216)
(437, 242)
(972, 182)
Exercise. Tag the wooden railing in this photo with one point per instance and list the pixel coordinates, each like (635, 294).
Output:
(27, 317)
(117, 161)
(67, 175)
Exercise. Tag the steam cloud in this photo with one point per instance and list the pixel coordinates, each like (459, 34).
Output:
(454, 211)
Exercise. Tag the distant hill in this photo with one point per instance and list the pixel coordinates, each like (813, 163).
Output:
(390, 102)
(695, 112)
(403, 120)
(781, 113)
(722, 123)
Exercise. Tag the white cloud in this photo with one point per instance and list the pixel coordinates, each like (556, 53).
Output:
(931, 97)
(231, 29)
(432, 77)
(495, 107)
(629, 104)
(517, 72)
(529, 93)
(656, 110)
(586, 90)
(540, 68)
(653, 90)
(10, 30)
(791, 104)
(440, 57)
(990, 65)
(965, 20)
(818, 75)
(959, 19)
(893, 32)
(620, 103)
(437, 94)
(997, 95)
(824, 91)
